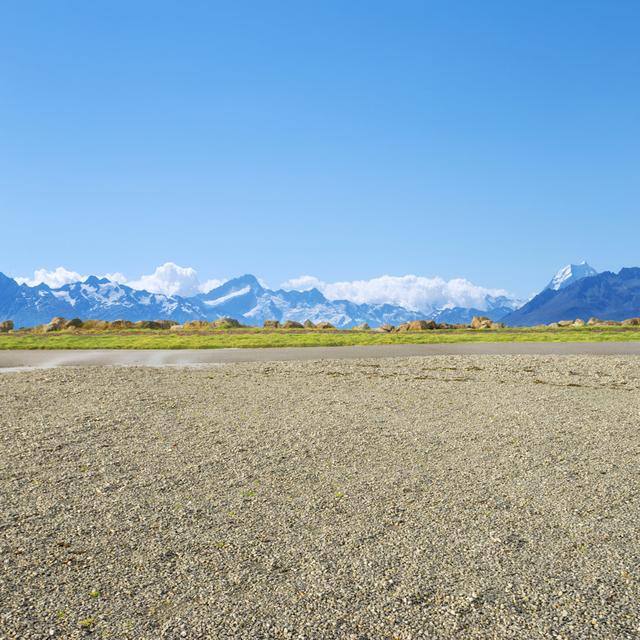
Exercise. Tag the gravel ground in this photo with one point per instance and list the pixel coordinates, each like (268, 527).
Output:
(440, 497)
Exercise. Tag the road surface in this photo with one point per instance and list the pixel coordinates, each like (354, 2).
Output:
(38, 359)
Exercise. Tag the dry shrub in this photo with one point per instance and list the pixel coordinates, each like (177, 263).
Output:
(225, 323)
(196, 325)
(166, 324)
(95, 325)
(147, 324)
(121, 324)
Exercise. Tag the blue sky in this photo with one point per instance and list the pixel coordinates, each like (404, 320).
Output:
(494, 141)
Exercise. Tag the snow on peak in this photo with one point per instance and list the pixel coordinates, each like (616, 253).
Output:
(570, 274)
(233, 294)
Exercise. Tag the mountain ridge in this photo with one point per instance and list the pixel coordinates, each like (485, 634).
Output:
(243, 298)
(576, 291)
(606, 295)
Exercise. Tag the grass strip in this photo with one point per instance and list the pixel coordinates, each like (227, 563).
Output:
(278, 338)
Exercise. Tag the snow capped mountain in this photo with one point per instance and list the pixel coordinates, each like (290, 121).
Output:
(93, 298)
(607, 295)
(496, 307)
(577, 290)
(243, 298)
(570, 274)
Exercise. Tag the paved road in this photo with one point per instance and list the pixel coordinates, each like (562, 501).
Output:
(19, 359)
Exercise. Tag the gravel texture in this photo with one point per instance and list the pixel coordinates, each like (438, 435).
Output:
(440, 497)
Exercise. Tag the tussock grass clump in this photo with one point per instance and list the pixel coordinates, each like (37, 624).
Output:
(165, 324)
(95, 325)
(196, 325)
(292, 324)
(225, 323)
(147, 324)
(121, 324)
(203, 325)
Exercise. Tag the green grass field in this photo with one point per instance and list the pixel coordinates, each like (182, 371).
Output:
(256, 338)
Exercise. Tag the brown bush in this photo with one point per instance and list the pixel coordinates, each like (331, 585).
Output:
(6, 325)
(55, 324)
(481, 322)
(292, 324)
(147, 324)
(95, 325)
(418, 325)
(225, 323)
(166, 324)
(196, 325)
(121, 324)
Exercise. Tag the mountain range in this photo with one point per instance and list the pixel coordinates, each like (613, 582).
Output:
(576, 291)
(243, 298)
(607, 295)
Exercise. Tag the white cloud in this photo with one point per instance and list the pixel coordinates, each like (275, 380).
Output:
(118, 277)
(413, 292)
(416, 293)
(56, 278)
(169, 278)
(303, 283)
(206, 286)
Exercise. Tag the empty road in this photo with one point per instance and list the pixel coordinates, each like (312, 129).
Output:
(39, 359)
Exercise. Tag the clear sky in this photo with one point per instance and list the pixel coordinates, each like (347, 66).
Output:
(495, 141)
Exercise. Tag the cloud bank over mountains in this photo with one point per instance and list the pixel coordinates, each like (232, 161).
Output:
(416, 293)
(169, 279)
(55, 279)
(173, 280)
(176, 293)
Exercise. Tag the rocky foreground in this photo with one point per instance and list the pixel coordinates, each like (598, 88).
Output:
(439, 497)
